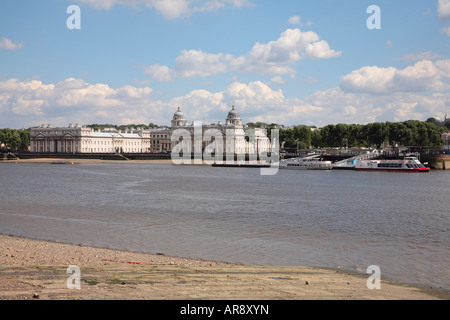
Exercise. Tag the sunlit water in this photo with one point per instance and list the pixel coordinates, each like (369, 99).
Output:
(335, 219)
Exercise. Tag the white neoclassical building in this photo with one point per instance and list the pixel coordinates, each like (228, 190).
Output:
(232, 137)
(77, 139)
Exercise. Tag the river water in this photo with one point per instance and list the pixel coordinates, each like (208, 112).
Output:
(336, 219)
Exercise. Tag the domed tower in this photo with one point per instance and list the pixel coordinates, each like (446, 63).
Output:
(178, 119)
(234, 118)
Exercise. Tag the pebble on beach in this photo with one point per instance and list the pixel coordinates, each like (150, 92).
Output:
(20, 251)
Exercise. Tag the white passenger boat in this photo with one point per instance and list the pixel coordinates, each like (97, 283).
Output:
(306, 163)
(409, 164)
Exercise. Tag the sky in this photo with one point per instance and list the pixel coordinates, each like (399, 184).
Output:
(289, 62)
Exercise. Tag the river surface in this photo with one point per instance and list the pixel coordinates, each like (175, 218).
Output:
(335, 219)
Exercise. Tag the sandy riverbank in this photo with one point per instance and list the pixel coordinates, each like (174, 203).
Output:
(96, 161)
(85, 161)
(35, 269)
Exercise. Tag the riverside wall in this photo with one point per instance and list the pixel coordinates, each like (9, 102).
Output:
(440, 162)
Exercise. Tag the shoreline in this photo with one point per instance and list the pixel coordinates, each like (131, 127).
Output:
(37, 269)
(75, 161)
(84, 161)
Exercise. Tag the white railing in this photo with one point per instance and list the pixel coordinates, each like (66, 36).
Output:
(350, 161)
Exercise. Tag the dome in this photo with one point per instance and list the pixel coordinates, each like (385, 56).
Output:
(233, 118)
(233, 113)
(178, 115)
(178, 119)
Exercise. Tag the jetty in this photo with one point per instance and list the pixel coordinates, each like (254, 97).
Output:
(240, 165)
(349, 164)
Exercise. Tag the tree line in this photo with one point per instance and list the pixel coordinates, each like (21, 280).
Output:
(14, 140)
(408, 133)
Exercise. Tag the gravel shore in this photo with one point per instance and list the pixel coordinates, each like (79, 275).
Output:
(19, 251)
(36, 269)
(85, 161)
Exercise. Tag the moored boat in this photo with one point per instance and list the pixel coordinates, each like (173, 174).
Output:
(238, 165)
(409, 164)
(307, 163)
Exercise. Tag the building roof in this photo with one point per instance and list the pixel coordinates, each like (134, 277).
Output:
(233, 113)
(115, 134)
(178, 115)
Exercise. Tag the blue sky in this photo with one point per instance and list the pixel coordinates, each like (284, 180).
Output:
(289, 62)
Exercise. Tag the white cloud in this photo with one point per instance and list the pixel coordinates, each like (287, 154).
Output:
(295, 20)
(321, 50)
(108, 4)
(446, 30)
(240, 3)
(194, 63)
(28, 103)
(253, 96)
(424, 55)
(424, 76)
(370, 79)
(334, 106)
(159, 73)
(273, 58)
(8, 44)
(214, 5)
(199, 105)
(290, 47)
(444, 68)
(72, 99)
(171, 9)
(444, 10)
(278, 79)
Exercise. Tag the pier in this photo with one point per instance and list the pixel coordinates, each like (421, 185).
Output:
(440, 162)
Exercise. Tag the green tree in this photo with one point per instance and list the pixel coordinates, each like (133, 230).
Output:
(302, 134)
(7, 137)
(407, 133)
(435, 134)
(2, 137)
(316, 139)
(447, 125)
(15, 141)
(25, 139)
(326, 133)
(432, 120)
(341, 135)
(377, 133)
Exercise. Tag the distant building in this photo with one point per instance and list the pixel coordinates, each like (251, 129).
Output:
(82, 139)
(160, 139)
(77, 139)
(236, 138)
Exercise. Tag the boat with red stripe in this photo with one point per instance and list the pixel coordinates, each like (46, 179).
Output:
(409, 164)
